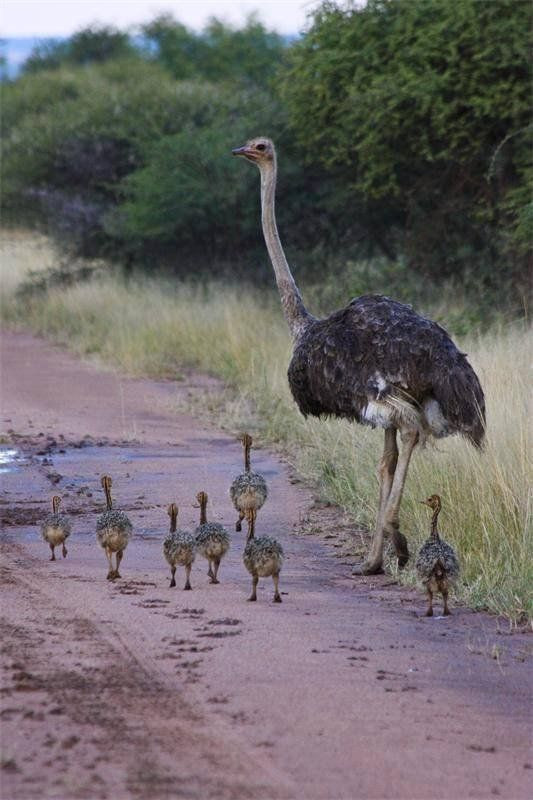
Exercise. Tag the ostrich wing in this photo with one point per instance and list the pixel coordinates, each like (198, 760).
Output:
(375, 347)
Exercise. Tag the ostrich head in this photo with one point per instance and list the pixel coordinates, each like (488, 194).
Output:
(202, 498)
(259, 151)
(433, 502)
(172, 510)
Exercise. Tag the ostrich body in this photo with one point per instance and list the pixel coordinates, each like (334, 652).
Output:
(179, 548)
(55, 528)
(212, 539)
(248, 491)
(436, 563)
(376, 362)
(113, 531)
(263, 558)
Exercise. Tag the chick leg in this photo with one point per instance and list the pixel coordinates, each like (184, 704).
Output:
(238, 524)
(277, 596)
(111, 573)
(210, 570)
(429, 612)
(216, 562)
(187, 576)
(446, 612)
(120, 553)
(65, 551)
(173, 578)
(53, 556)
(253, 596)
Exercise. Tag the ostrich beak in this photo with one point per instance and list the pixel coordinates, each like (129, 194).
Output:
(245, 151)
(424, 503)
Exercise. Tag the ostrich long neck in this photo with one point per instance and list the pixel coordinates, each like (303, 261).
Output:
(109, 501)
(434, 531)
(203, 511)
(173, 519)
(294, 310)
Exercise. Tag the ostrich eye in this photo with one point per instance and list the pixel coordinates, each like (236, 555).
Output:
(260, 147)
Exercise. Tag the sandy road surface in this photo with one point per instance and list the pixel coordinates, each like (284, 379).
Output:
(133, 690)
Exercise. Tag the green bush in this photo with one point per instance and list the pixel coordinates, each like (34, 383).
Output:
(412, 102)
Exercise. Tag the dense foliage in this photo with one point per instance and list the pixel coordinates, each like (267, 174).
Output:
(403, 128)
(423, 107)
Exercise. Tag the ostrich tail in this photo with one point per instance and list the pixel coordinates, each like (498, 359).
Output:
(462, 401)
(477, 435)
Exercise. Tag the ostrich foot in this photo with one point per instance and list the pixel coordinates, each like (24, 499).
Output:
(277, 598)
(172, 584)
(214, 580)
(111, 575)
(187, 587)
(252, 598)
(368, 568)
(429, 612)
(400, 545)
(65, 551)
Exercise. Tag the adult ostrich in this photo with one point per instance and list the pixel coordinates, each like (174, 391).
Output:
(376, 362)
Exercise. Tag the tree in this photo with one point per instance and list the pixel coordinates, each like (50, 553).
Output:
(92, 45)
(408, 101)
(250, 54)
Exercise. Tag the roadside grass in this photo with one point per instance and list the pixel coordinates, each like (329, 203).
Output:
(157, 328)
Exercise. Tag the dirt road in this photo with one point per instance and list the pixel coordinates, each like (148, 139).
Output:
(134, 690)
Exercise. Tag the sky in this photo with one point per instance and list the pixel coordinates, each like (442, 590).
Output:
(63, 17)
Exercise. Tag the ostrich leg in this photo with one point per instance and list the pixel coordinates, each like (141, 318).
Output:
(385, 474)
(386, 470)
(389, 519)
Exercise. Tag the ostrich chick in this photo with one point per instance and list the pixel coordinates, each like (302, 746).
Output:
(436, 564)
(55, 528)
(113, 530)
(248, 491)
(262, 557)
(212, 539)
(179, 548)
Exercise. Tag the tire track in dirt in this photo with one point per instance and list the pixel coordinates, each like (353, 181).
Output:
(130, 689)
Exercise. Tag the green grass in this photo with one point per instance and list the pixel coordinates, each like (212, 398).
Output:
(155, 328)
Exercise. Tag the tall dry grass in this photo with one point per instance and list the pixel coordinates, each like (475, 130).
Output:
(156, 328)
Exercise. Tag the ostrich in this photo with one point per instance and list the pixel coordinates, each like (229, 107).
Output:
(113, 530)
(179, 548)
(376, 362)
(436, 563)
(56, 529)
(262, 557)
(248, 491)
(212, 539)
